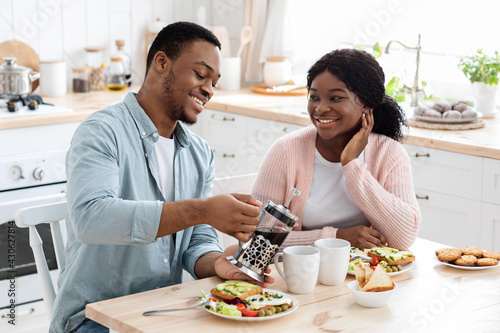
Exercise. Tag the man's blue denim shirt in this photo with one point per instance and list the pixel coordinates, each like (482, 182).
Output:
(114, 207)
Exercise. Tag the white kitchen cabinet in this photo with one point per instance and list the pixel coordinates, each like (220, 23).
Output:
(459, 197)
(446, 172)
(30, 318)
(448, 188)
(239, 142)
(490, 227)
(449, 219)
(491, 181)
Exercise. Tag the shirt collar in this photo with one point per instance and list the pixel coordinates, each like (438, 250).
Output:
(145, 125)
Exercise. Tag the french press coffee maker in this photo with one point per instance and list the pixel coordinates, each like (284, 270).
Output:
(254, 256)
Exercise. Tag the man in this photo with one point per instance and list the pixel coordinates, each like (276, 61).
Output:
(139, 186)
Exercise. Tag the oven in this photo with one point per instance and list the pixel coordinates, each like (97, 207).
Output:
(32, 172)
(39, 179)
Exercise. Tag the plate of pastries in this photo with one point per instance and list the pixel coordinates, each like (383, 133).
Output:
(456, 112)
(468, 258)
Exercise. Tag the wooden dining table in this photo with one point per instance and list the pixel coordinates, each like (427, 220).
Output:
(431, 297)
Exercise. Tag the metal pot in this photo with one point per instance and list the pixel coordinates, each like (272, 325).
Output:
(15, 80)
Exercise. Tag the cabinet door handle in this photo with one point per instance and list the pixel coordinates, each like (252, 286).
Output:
(422, 155)
(227, 155)
(425, 197)
(223, 118)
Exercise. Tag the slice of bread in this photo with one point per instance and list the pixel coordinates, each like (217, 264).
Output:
(380, 281)
(226, 295)
(368, 273)
(360, 275)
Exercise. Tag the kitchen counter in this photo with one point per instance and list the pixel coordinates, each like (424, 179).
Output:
(483, 142)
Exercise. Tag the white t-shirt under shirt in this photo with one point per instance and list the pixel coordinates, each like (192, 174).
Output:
(329, 203)
(164, 156)
(163, 152)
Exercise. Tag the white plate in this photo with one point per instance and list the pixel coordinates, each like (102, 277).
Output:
(405, 268)
(448, 120)
(276, 315)
(467, 268)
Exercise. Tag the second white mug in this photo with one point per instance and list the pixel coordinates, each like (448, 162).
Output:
(301, 268)
(334, 260)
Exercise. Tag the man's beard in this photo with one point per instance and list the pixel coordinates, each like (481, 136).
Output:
(177, 112)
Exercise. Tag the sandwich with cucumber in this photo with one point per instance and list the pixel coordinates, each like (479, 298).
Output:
(232, 289)
(391, 256)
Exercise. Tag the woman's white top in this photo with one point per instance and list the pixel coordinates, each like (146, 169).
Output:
(329, 203)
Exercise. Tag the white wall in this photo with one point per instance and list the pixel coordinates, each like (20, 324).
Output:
(60, 29)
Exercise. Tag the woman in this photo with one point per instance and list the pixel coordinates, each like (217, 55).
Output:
(354, 175)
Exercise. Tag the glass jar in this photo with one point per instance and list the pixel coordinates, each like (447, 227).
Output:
(96, 60)
(126, 59)
(277, 71)
(95, 56)
(115, 76)
(81, 79)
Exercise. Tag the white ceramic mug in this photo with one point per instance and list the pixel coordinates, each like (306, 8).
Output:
(334, 254)
(53, 78)
(230, 71)
(301, 268)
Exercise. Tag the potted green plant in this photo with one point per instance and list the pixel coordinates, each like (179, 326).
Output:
(482, 71)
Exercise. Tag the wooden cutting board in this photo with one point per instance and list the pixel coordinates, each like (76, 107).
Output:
(24, 54)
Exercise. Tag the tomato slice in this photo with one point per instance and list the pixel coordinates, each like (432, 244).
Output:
(214, 300)
(250, 313)
(373, 267)
(375, 261)
(240, 307)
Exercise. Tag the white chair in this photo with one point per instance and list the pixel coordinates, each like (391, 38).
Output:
(30, 217)
(234, 184)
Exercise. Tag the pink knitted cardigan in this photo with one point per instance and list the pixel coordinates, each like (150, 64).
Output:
(382, 186)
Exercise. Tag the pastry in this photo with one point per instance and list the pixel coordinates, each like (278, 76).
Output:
(487, 262)
(419, 110)
(466, 260)
(432, 113)
(469, 113)
(451, 114)
(491, 254)
(441, 107)
(448, 255)
(471, 250)
(459, 106)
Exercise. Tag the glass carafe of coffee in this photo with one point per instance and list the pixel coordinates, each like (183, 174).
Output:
(254, 256)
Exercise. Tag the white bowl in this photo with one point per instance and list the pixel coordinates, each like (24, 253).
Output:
(370, 299)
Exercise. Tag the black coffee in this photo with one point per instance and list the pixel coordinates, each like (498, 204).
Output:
(275, 237)
(261, 248)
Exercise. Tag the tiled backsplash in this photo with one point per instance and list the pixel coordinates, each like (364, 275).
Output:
(61, 29)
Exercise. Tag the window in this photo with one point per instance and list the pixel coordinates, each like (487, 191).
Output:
(449, 30)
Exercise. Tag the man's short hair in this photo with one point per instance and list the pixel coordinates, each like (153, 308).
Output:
(176, 38)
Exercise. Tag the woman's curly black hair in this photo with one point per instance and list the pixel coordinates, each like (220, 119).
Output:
(362, 75)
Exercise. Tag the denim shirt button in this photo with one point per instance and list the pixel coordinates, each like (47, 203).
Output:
(165, 260)
(155, 134)
(143, 133)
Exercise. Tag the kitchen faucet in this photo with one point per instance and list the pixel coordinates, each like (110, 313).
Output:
(414, 90)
